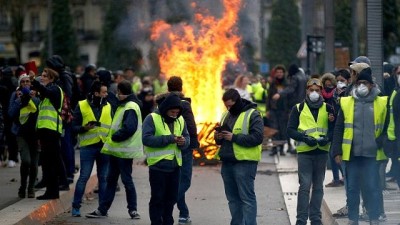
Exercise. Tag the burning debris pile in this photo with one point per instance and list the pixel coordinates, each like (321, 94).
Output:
(198, 53)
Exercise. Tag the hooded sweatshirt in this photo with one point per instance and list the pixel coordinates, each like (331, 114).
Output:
(172, 101)
(364, 142)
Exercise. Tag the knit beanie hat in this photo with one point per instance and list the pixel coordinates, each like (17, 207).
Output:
(365, 74)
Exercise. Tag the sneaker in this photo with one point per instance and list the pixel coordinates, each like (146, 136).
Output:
(364, 217)
(342, 212)
(76, 212)
(134, 214)
(334, 184)
(184, 220)
(96, 214)
(382, 217)
(21, 192)
(11, 164)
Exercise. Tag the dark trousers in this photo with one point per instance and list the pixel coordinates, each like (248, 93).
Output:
(184, 182)
(29, 161)
(51, 160)
(67, 152)
(164, 194)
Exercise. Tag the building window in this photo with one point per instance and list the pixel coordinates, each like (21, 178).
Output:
(79, 23)
(35, 26)
(4, 25)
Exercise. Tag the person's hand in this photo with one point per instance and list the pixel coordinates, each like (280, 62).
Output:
(276, 96)
(218, 135)
(338, 159)
(323, 141)
(227, 135)
(18, 93)
(180, 140)
(32, 93)
(331, 117)
(31, 75)
(89, 126)
(267, 114)
(310, 141)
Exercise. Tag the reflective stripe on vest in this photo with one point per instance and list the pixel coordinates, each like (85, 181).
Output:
(309, 126)
(96, 134)
(391, 128)
(25, 111)
(347, 106)
(130, 148)
(169, 152)
(49, 117)
(242, 126)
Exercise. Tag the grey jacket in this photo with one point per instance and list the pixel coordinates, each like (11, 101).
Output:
(364, 142)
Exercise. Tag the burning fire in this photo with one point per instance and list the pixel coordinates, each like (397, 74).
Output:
(198, 53)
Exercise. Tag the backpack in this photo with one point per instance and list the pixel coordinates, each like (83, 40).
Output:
(65, 83)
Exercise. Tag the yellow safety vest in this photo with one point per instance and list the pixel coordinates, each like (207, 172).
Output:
(25, 111)
(130, 148)
(391, 128)
(312, 128)
(347, 106)
(242, 126)
(96, 134)
(49, 117)
(169, 152)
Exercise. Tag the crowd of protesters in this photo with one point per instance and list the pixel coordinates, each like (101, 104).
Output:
(115, 117)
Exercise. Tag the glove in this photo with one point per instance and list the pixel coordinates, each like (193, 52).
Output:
(310, 141)
(323, 141)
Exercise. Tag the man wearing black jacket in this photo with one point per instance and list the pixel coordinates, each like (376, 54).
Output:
(175, 85)
(311, 126)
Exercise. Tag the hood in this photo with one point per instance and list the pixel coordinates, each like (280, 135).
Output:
(330, 77)
(132, 98)
(248, 105)
(171, 101)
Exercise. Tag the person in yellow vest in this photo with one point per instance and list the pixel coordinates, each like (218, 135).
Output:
(160, 84)
(165, 136)
(23, 110)
(311, 127)
(123, 144)
(49, 129)
(92, 122)
(393, 131)
(358, 138)
(240, 136)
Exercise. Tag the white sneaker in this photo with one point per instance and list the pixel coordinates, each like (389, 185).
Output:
(11, 164)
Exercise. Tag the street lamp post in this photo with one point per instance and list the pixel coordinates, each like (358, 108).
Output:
(315, 44)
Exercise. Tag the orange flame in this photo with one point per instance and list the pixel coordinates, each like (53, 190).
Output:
(198, 54)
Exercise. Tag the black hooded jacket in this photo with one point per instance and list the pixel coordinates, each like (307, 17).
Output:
(253, 138)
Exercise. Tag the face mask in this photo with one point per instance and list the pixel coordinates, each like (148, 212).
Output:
(362, 90)
(341, 84)
(314, 96)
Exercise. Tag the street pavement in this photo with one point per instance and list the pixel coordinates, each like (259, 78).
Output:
(276, 189)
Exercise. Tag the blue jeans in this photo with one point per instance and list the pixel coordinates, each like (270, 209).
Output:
(88, 155)
(184, 182)
(123, 167)
(362, 175)
(311, 172)
(238, 180)
(335, 169)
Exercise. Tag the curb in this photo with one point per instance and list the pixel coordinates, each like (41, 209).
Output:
(45, 212)
(327, 218)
